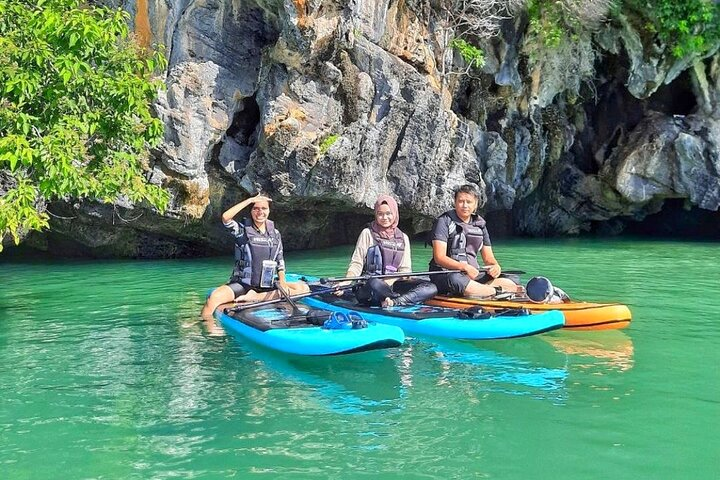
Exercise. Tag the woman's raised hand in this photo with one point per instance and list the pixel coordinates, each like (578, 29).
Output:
(260, 197)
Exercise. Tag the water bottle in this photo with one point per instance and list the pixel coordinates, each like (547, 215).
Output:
(267, 277)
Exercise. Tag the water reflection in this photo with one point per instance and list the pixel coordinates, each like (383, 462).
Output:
(469, 365)
(364, 383)
(357, 384)
(611, 349)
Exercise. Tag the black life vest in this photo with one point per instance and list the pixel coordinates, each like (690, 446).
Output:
(466, 241)
(251, 249)
(386, 255)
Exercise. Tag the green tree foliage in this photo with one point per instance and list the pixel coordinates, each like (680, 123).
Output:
(688, 27)
(472, 55)
(557, 21)
(548, 23)
(75, 118)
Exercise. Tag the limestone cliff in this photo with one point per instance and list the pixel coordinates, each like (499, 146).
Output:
(325, 104)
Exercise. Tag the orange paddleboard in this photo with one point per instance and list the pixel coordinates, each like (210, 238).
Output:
(578, 315)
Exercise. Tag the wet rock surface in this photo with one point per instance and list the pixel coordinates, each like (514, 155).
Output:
(325, 105)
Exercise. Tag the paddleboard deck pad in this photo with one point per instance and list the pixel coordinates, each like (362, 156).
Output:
(281, 327)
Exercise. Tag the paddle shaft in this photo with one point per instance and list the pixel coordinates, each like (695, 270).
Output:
(286, 296)
(407, 274)
(389, 275)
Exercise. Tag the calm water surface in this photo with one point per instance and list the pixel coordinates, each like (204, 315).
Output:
(106, 371)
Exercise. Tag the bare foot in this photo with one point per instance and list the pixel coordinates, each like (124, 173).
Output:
(213, 329)
(388, 302)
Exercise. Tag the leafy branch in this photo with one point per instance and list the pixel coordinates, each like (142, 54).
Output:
(688, 27)
(458, 25)
(75, 115)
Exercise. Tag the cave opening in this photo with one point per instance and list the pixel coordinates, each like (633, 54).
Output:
(677, 220)
(614, 112)
(234, 150)
(245, 122)
(462, 99)
(677, 98)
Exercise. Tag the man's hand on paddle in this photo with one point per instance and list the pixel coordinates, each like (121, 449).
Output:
(493, 270)
(470, 271)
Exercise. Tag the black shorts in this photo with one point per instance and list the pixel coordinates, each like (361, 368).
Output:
(454, 284)
(241, 288)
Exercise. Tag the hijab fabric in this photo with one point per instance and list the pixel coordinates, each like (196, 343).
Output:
(390, 231)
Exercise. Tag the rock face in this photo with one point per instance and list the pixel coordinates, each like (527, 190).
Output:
(324, 105)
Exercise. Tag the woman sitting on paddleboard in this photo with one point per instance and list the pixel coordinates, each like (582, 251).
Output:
(383, 249)
(258, 257)
(459, 237)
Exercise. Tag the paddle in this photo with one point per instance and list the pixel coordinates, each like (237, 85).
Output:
(288, 298)
(325, 280)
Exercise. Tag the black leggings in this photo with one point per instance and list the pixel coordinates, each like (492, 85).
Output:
(403, 292)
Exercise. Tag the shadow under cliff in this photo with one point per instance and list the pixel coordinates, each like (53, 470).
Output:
(677, 220)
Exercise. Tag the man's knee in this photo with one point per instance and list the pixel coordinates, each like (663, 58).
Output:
(478, 289)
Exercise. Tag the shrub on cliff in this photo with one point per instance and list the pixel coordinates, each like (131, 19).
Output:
(562, 20)
(688, 27)
(75, 118)
(458, 25)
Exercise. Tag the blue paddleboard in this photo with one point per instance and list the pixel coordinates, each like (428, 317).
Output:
(278, 327)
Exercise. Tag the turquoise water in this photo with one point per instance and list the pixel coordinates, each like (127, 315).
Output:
(106, 371)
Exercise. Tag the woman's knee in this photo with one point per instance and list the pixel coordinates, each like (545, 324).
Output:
(220, 295)
(423, 291)
(301, 287)
(373, 292)
(381, 290)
